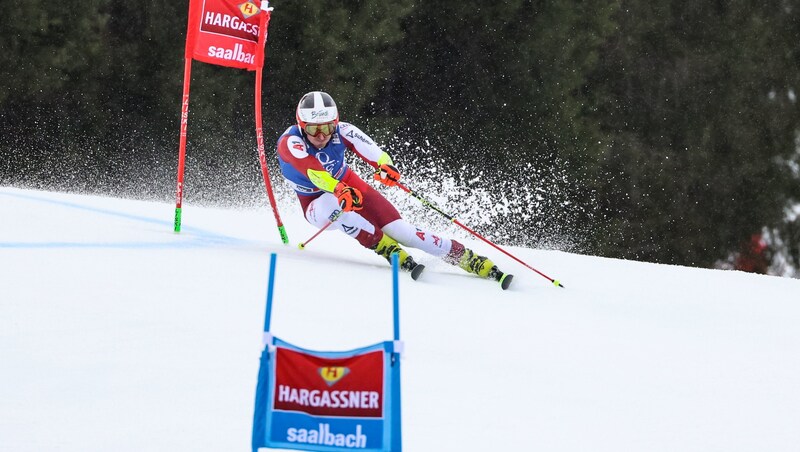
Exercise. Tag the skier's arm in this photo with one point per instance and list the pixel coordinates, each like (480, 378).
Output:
(363, 146)
(360, 143)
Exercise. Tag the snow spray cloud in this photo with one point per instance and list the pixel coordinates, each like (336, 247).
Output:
(524, 204)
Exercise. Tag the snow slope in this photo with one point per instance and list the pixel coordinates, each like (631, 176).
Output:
(118, 334)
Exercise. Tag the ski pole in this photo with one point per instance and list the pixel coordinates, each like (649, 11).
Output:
(454, 220)
(327, 225)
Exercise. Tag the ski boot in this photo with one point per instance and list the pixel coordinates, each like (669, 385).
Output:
(388, 246)
(484, 267)
(503, 278)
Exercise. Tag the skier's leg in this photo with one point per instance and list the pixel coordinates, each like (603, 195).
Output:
(377, 209)
(323, 208)
(410, 235)
(381, 213)
(451, 251)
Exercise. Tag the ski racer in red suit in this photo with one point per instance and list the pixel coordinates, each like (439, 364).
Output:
(312, 159)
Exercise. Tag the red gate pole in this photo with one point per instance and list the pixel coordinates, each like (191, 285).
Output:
(187, 78)
(262, 157)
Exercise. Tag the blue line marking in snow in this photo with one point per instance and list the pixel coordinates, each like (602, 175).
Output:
(110, 245)
(202, 238)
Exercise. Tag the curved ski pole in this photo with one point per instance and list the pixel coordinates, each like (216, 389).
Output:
(429, 204)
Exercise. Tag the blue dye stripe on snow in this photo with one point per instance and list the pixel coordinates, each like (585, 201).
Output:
(194, 243)
(197, 237)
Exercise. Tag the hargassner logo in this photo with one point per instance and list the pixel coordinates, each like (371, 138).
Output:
(237, 21)
(331, 375)
(248, 9)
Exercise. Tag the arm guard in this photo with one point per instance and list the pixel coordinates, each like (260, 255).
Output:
(385, 158)
(322, 179)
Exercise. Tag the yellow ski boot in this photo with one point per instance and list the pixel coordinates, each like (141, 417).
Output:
(388, 246)
(484, 267)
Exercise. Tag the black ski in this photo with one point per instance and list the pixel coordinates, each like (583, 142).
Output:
(505, 280)
(416, 271)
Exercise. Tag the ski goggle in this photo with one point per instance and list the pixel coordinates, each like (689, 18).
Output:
(325, 129)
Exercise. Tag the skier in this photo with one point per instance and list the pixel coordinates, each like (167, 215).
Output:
(755, 256)
(312, 159)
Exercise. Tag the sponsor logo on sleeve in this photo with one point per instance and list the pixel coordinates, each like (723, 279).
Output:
(353, 135)
(350, 230)
(296, 147)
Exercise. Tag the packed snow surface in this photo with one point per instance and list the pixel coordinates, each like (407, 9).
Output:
(118, 334)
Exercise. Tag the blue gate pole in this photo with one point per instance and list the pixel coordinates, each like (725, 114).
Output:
(395, 283)
(270, 288)
(397, 433)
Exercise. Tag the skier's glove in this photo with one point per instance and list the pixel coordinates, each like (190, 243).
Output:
(349, 197)
(387, 174)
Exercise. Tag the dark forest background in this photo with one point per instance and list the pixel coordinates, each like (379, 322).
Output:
(675, 124)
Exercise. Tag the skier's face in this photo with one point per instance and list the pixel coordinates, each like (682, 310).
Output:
(319, 134)
(319, 141)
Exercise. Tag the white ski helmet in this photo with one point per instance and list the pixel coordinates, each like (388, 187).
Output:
(316, 107)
